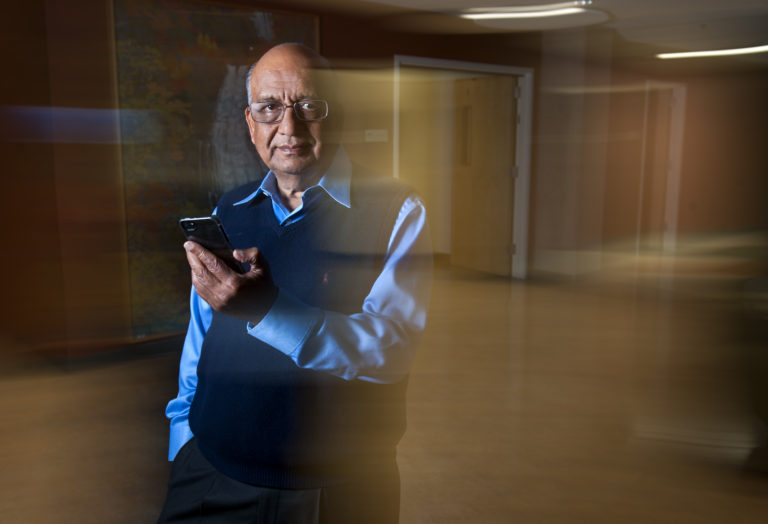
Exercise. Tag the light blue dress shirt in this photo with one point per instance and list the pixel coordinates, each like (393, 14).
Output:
(375, 344)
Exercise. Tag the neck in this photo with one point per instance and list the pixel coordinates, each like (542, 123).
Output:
(291, 187)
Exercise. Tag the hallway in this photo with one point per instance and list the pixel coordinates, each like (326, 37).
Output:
(537, 402)
(574, 403)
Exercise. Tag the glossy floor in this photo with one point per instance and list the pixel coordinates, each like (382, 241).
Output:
(528, 402)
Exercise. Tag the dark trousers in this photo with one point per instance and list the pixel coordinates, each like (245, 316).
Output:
(197, 492)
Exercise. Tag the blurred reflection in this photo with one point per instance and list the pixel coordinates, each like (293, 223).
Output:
(77, 125)
(628, 367)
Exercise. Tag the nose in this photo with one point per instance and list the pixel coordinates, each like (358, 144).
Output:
(288, 123)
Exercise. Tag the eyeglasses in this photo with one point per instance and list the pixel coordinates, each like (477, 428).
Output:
(271, 112)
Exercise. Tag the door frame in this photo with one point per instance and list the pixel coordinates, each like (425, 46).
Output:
(522, 140)
(674, 160)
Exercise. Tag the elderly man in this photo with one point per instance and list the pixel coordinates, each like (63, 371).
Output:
(293, 374)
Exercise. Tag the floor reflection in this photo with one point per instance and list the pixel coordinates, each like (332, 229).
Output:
(625, 397)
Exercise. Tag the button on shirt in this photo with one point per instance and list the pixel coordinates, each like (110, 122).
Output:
(374, 345)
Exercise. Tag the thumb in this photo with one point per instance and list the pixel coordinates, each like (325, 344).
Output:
(253, 257)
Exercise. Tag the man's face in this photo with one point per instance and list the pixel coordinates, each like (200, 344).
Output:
(291, 146)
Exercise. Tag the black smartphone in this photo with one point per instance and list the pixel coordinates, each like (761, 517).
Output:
(209, 233)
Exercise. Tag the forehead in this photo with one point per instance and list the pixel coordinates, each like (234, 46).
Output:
(284, 83)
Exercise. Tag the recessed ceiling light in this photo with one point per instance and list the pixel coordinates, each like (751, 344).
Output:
(715, 52)
(525, 11)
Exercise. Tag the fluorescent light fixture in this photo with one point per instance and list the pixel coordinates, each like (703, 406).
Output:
(525, 11)
(530, 14)
(716, 52)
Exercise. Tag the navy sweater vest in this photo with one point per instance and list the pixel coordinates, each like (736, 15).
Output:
(257, 416)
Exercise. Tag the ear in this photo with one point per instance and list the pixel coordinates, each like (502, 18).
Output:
(251, 125)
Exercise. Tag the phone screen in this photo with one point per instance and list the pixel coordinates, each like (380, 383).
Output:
(209, 232)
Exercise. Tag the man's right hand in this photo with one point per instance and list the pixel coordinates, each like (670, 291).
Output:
(248, 296)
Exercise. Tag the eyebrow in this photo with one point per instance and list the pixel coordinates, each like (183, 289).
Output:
(271, 98)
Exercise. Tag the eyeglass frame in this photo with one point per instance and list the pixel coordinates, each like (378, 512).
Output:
(283, 107)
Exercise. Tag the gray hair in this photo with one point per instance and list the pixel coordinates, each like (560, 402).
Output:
(248, 82)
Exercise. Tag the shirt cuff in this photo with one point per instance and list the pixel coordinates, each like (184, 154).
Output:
(180, 435)
(287, 324)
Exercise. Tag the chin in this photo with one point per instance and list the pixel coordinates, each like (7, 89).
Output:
(296, 170)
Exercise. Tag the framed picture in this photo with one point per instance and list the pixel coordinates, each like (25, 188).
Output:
(181, 75)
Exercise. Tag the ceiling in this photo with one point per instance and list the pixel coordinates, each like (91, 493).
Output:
(676, 25)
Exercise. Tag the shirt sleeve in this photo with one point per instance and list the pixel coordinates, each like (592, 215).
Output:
(377, 343)
(178, 408)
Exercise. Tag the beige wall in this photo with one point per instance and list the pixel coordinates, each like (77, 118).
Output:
(367, 93)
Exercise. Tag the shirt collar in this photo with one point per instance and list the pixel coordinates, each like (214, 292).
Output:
(335, 181)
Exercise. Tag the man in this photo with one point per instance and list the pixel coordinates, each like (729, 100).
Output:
(293, 374)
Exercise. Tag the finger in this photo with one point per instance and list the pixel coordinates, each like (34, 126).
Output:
(211, 262)
(204, 292)
(215, 292)
(196, 265)
(202, 279)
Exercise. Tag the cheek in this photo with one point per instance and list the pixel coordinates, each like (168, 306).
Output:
(317, 135)
(262, 138)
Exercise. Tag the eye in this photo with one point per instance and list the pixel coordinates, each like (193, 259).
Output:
(311, 110)
(265, 107)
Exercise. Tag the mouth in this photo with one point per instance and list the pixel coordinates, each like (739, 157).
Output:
(293, 149)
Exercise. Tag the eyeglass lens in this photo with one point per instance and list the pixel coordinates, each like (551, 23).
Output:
(307, 110)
